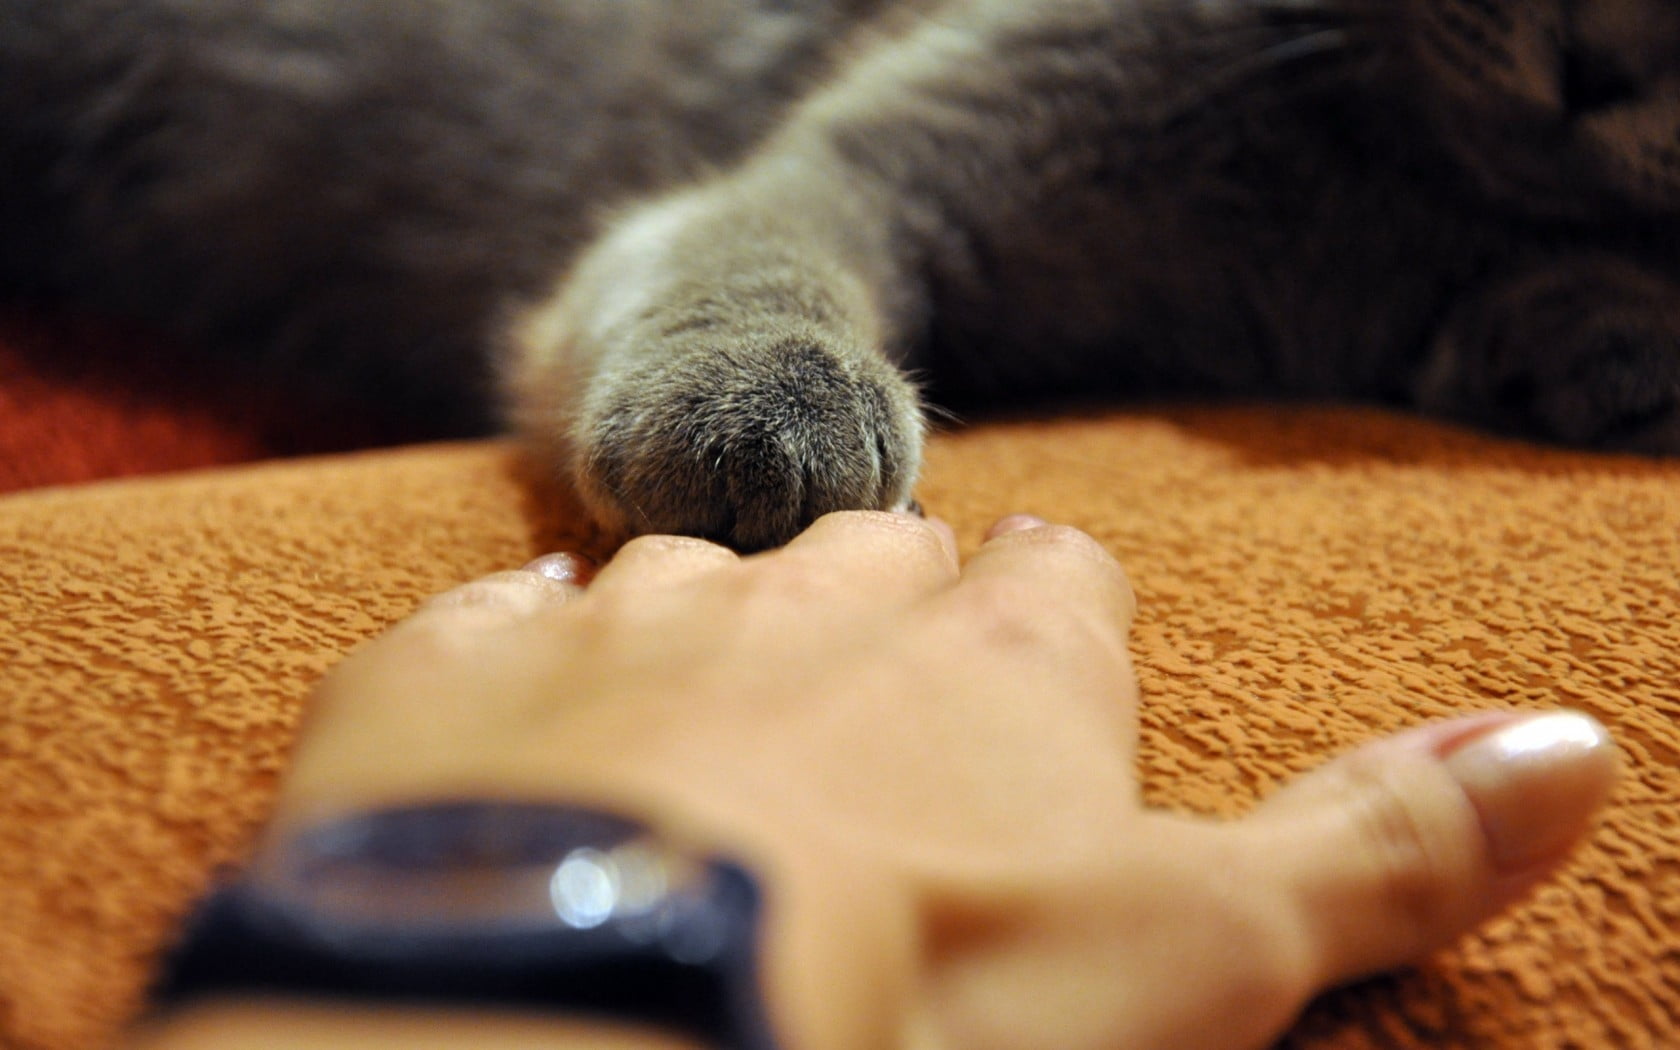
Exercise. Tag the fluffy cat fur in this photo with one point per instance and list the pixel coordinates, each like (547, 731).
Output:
(696, 249)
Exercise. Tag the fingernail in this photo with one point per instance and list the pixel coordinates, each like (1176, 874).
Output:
(1536, 784)
(1014, 523)
(563, 566)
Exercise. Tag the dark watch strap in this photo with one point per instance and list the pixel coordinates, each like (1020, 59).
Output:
(685, 960)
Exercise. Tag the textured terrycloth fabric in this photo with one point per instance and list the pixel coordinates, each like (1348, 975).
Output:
(1307, 579)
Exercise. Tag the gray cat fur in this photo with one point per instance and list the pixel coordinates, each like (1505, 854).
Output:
(701, 247)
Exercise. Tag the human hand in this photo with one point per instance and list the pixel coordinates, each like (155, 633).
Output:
(931, 769)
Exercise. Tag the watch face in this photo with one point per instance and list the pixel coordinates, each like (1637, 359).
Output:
(482, 867)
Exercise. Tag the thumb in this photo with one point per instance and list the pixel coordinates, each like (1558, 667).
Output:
(1400, 847)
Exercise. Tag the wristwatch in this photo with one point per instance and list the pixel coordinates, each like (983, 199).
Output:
(527, 904)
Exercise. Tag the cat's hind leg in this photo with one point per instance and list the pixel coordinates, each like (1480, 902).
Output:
(1584, 351)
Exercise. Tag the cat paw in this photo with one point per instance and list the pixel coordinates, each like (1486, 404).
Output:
(1613, 388)
(1585, 357)
(746, 445)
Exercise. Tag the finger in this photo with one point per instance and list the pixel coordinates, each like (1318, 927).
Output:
(505, 597)
(1014, 523)
(1049, 610)
(436, 692)
(460, 624)
(1404, 845)
(870, 555)
(662, 561)
(1052, 567)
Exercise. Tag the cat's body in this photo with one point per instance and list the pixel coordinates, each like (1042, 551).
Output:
(1470, 208)
(351, 193)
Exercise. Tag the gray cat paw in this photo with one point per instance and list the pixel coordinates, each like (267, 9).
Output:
(747, 445)
(1587, 355)
(1610, 388)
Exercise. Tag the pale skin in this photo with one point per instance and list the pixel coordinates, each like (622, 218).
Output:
(930, 766)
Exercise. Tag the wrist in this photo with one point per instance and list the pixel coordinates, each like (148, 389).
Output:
(818, 946)
(840, 949)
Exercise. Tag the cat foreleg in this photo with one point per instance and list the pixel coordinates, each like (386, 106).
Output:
(715, 366)
(725, 362)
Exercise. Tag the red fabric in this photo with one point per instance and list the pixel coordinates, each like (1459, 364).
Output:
(84, 399)
(76, 405)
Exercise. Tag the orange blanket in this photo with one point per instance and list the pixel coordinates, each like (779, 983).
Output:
(1307, 578)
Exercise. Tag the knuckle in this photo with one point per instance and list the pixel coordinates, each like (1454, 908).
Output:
(891, 526)
(661, 546)
(774, 591)
(1415, 879)
(802, 582)
(505, 595)
(1011, 612)
(1270, 970)
(1063, 538)
(1260, 953)
(890, 538)
(1069, 543)
(1021, 613)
